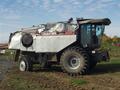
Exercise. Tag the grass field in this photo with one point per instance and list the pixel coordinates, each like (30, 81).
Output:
(106, 76)
(114, 51)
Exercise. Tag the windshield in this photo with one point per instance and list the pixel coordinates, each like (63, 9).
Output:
(99, 29)
(91, 34)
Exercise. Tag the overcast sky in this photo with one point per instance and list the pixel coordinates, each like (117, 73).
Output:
(16, 14)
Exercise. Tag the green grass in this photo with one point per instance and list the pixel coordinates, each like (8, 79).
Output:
(9, 55)
(110, 68)
(113, 60)
(114, 51)
(78, 82)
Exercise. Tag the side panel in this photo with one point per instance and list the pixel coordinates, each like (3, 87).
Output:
(53, 43)
(43, 44)
(17, 44)
(31, 48)
(15, 41)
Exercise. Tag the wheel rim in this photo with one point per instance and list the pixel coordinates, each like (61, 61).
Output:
(22, 66)
(74, 62)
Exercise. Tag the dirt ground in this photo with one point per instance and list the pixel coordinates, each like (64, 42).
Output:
(5, 66)
(105, 76)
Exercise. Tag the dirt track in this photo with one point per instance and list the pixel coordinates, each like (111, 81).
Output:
(5, 66)
(103, 77)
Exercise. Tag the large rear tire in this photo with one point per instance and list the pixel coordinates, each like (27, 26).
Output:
(75, 61)
(25, 63)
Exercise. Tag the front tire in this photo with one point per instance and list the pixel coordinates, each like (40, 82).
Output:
(25, 63)
(74, 61)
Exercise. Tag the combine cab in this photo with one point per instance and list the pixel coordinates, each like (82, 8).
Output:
(73, 45)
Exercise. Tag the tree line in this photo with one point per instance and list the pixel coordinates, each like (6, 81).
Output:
(107, 39)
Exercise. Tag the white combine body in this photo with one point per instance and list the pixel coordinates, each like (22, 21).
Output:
(53, 39)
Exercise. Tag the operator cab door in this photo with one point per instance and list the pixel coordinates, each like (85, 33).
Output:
(85, 34)
(91, 35)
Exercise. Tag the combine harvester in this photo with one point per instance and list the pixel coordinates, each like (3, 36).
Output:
(72, 44)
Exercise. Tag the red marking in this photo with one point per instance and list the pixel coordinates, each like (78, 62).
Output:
(118, 44)
(69, 33)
